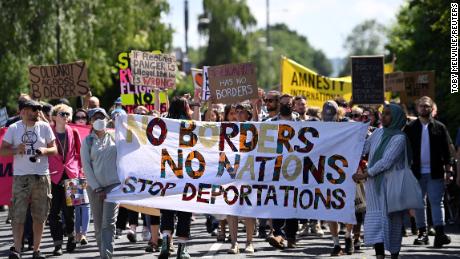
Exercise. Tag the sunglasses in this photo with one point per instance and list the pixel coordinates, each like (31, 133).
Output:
(355, 115)
(270, 100)
(80, 118)
(64, 114)
(35, 108)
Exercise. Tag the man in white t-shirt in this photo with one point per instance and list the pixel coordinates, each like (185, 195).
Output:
(31, 142)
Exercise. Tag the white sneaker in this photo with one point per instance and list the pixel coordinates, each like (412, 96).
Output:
(304, 230)
(146, 234)
(317, 231)
(249, 249)
(234, 249)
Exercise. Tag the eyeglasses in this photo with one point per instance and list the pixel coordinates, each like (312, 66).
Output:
(64, 114)
(80, 118)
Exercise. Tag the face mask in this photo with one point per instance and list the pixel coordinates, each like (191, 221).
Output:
(100, 124)
(285, 110)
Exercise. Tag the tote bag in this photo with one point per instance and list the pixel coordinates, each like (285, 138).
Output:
(402, 189)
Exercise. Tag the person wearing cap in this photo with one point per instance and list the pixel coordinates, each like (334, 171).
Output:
(99, 157)
(30, 141)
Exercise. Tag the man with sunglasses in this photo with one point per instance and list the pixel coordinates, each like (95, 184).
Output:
(272, 104)
(30, 141)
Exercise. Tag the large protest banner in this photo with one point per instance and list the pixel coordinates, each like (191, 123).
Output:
(367, 77)
(155, 70)
(6, 165)
(232, 83)
(6, 174)
(278, 169)
(134, 95)
(57, 81)
(300, 80)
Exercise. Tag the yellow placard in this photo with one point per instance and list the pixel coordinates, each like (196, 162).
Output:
(300, 80)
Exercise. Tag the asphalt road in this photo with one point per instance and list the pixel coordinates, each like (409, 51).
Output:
(202, 245)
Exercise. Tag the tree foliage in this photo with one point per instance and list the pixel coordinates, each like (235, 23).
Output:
(421, 41)
(90, 30)
(366, 38)
(229, 22)
(284, 42)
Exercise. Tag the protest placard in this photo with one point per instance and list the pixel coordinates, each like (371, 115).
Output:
(3, 116)
(416, 85)
(201, 81)
(300, 80)
(367, 79)
(277, 169)
(134, 95)
(394, 82)
(57, 81)
(155, 70)
(232, 83)
(75, 192)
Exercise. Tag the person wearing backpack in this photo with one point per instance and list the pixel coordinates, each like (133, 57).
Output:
(99, 157)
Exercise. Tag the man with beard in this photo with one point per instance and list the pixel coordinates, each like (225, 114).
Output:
(30, 141)
(290, 226)
(300, 106)
(432, 163)
(271, 100)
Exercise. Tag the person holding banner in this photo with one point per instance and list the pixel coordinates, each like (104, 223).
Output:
(30, 141)
(244, 112)
(64, 165)
(179, 109)
(386, 148)
(99, 159)
(332, 112)
(290, 226)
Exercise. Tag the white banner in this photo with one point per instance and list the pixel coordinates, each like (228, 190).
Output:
(255, 169)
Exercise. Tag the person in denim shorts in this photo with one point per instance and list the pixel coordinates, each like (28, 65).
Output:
(31, 142)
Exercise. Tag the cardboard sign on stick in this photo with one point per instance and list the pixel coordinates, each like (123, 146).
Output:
(233, 83)
(367, 79)
(58, 81)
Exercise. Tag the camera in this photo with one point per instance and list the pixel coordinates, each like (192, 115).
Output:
(35, 158)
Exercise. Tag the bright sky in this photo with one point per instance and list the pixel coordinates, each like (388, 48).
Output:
(325, 23)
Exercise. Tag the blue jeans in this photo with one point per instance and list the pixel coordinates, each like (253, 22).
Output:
(82, 213)
(434, 189)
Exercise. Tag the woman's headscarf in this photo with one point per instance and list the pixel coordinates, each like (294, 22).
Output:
(398, 121)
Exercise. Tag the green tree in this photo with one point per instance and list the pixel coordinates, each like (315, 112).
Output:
(366, 38)
(226, 29)
(421, 41)
(90, 30)
(284, 42)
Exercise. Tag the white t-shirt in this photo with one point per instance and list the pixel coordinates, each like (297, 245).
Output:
(425, 159)
(40, 135)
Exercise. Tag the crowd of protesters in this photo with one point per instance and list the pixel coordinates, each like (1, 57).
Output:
(48, 151)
